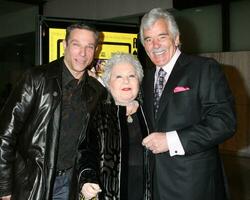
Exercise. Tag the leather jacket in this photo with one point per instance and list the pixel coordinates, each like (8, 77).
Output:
(29, 131)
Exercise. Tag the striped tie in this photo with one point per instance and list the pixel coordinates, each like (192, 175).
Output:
(159, 85)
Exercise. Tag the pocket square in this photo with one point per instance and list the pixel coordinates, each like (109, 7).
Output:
(181, 89)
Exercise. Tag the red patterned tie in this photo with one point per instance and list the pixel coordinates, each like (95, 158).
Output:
(159, 86)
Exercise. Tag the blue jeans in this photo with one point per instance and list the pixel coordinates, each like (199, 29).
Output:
(61, 187)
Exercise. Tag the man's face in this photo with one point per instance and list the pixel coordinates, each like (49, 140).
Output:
(79, 51)
(159, 43)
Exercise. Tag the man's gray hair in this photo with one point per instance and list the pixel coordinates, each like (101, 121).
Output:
(119, 58)
(152, 16)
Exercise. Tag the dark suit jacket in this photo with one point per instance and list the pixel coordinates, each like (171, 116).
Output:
(203, 116)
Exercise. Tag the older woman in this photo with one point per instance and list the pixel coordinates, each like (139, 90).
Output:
(124, 170)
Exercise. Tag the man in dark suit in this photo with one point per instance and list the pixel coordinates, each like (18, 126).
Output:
(190, 111)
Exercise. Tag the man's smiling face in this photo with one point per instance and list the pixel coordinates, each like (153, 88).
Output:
(159, 43)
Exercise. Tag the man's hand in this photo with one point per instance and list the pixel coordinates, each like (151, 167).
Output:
(6, 197)
(90, 190)
(156, 142)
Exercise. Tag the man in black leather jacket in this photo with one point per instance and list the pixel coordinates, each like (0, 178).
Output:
(45, 152)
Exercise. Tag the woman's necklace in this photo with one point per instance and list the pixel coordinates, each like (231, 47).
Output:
(131, 108)
(129, 119)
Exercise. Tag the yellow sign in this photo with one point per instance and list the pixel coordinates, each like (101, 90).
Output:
(56, 36)
(110, 43)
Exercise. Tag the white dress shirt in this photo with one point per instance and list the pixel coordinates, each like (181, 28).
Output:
(173, 140)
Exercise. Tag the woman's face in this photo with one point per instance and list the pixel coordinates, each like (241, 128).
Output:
(124, 83)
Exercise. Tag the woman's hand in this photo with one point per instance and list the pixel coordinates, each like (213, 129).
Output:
(6, 197)
(90, 190)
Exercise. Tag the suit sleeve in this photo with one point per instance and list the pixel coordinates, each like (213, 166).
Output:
(215, 104)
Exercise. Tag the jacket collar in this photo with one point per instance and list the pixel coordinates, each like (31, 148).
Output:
(174, 78)
(55, 69)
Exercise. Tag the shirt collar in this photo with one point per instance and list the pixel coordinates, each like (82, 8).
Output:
(66, 76)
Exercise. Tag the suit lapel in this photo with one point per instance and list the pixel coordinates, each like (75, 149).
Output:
(151, 89)
(149, 92)
(174, 78)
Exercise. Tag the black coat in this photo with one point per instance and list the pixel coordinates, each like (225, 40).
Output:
(110, 123)
(29, 132)
(198, 104)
